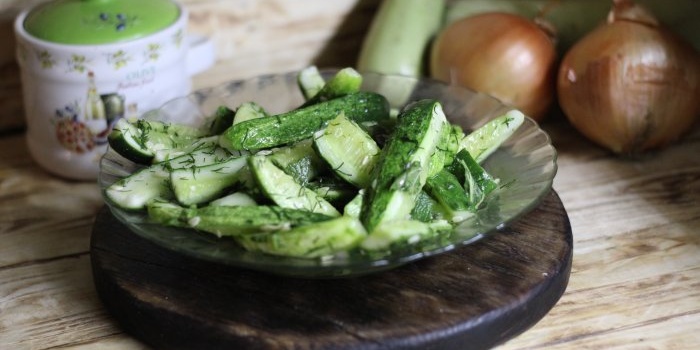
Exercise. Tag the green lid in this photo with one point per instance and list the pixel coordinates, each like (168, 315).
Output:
(99, 21)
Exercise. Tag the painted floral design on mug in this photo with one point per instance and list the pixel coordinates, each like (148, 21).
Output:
(77, 63)
(71, 133)
(45, 59)
(80, 130)
(153, 52)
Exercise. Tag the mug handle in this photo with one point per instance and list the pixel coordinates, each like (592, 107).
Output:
(201, 53)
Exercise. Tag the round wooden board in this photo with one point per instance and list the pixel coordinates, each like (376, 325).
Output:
(474, 297)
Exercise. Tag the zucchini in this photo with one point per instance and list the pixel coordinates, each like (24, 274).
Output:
(402, 168)
(483, 141)
(231, 220)
(399, 36)
(299, 124)
(201, 184)
(344, 82)
(284, 191)
(314, 240)
(349, 151)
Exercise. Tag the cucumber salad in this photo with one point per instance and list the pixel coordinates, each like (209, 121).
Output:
(343, 173)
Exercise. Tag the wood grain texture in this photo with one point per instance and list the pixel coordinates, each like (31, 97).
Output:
(474, 297)
(636, 266)
(636, 277)
(634, 281)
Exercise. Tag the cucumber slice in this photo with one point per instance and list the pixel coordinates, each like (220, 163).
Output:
(396, 232)
(234, 200)
(201, 184)
(134, 191)
(309, 241)
(403, 166)
(299, 160)
(334, 190)
(299, 124)
(427, 209)
(447, 190)
(310, 82)
(247, 111)
(137, 189)
(483, 141)
(348, 150)
(354, 206)
(284, 191)
(231, 220)
(223, 119)
(345, 81)
(447, 148)
(146, 142)
(477, 182)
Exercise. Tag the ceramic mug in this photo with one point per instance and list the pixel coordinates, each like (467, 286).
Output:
(74, 93)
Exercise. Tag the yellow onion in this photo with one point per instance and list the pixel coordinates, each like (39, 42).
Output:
(630, 85)
(505, 55)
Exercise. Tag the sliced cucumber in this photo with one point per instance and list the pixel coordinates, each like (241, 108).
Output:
(483, 141)
(345, 81)
(477, 182)
(231, 220)
(299, 160)
(310, 82)
(447, 148)
(202, 184)
(146, 142)
(334, 190)
(299, 124)
(235, 199)
(447, 190)
(314, 240)
(403, 166)
(223, 119)
(196, 144)
(354, 206)
(427, 209)
(284, 191)
(349, 151)
(137, 189)
(247, 111)
(402, 232)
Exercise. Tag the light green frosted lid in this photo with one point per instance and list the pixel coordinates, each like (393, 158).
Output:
(99, 21)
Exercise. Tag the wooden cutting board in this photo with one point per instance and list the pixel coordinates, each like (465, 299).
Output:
(474, 297)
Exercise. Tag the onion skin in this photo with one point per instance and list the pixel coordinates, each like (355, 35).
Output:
(630, 85)
(504, 55)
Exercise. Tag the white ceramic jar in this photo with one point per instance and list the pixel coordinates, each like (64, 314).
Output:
(111, 64)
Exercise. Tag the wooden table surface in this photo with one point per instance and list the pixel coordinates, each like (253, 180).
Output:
(635, 281)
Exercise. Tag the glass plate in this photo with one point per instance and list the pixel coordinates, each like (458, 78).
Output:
(525, 165)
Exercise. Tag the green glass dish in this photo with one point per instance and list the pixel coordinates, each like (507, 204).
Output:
(525, 164)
